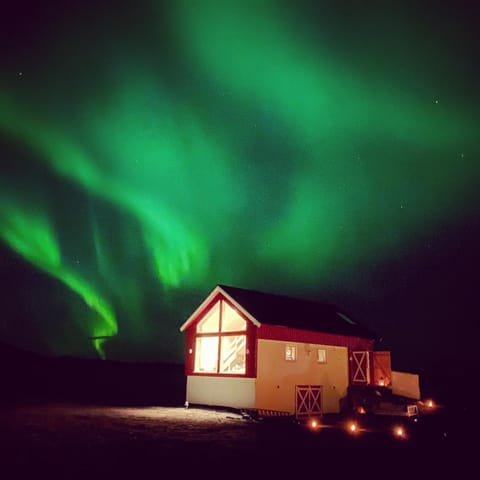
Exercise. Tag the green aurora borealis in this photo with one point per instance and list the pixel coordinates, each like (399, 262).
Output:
(151, 150)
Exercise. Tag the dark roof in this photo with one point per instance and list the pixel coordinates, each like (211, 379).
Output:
(280, 310)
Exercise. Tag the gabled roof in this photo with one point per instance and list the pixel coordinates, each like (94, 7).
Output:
(271, 309)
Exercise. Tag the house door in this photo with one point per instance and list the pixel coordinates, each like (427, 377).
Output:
(308, 400)
(360, 367)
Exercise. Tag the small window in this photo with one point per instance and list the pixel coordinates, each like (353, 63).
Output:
(290, 353)
(321, 355)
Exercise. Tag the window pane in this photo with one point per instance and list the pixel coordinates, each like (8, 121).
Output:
(211, 322)
(322, 356)
(231, 320)
(206, 355)
(232, 354)
(290, 352)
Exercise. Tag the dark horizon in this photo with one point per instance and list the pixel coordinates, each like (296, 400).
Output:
(38, 377)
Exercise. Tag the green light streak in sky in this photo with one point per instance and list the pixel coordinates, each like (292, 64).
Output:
(355, 137)
(31, 235)
(120, 183)
(266, 59)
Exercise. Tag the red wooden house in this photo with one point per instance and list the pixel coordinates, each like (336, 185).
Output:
(258, 351)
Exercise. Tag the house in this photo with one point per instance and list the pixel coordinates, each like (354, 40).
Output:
(277, 355)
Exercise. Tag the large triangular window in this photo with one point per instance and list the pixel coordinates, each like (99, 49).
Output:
(220, 346)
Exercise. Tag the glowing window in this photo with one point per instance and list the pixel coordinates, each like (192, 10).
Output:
(232, 356)
(321, 356)
(221, 341)
(206, 354)
(211, 322)
(290, 353)
(231, 320)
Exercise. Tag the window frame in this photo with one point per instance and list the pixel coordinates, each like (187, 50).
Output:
(324, 361)
(198, 353)
(294, 350)
(220, 335)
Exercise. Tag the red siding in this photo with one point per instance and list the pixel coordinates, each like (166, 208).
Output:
(189, 350)
(287, 334)
(251, 364)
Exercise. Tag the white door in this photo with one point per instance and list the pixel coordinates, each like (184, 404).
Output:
(360, 366)
(308, 400)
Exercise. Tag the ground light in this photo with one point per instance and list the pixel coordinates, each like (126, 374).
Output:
(428, 405)
(352, 428)
(399, 432)
(314, 424)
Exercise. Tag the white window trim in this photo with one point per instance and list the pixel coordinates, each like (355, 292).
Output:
(324, 355)
(294, 351)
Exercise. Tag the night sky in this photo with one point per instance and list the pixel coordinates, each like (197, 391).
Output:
(151, 150)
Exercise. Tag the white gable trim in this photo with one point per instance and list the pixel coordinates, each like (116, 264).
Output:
(210, 297)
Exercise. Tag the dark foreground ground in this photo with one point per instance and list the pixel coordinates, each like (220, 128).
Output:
(72, 418)
(81, 441)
